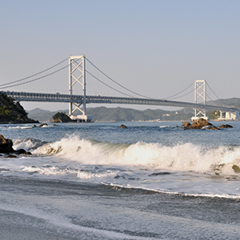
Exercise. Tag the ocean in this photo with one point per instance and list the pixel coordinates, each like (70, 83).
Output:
(152, 180)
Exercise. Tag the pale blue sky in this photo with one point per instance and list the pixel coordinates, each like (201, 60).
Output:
(155, 48)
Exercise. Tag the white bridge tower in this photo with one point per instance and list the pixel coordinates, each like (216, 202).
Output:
(77, 74)
(200, 97)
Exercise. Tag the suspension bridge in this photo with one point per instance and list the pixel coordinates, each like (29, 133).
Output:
(77, 75)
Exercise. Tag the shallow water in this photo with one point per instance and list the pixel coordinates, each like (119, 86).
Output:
(151, 180)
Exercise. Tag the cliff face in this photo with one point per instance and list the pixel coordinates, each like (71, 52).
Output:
(12, 112)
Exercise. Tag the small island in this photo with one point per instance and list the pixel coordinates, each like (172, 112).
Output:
(12, 112)
(61, 117)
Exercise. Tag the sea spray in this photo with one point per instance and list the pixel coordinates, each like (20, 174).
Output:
(180, 157)
(28, 144)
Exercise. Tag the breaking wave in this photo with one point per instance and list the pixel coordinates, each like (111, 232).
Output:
(181, 157)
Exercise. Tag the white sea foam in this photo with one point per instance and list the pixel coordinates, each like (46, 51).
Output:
(21, 127)
(49, 170)
(27, 144)
(181, 157)
(208, 195)
(89, 175)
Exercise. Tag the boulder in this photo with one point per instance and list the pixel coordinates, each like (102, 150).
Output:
(43, 124)
(123, 126)
(225, 126)
(236, 168)
(11, 156)
(186, 124)
(201, 123)
(5, 145)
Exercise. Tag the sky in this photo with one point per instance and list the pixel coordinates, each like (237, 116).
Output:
(156, 48)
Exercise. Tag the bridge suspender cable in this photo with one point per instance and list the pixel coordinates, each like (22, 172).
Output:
(108, 85)
(11, 84)
(133, 91)
(181, 92)
(114, 80)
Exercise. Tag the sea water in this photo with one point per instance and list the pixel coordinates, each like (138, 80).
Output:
(97, 180)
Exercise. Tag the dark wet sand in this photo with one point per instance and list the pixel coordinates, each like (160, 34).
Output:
(34, 209)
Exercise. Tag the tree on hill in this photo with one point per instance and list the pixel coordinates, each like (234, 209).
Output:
(61, 117)
(11, 111)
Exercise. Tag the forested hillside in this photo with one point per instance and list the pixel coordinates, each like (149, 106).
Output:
(12, 112)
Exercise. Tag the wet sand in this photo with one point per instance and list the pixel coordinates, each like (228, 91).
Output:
(35, 209)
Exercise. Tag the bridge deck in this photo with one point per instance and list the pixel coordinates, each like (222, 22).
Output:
(46, 97)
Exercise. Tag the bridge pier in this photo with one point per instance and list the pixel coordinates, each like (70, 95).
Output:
(229, 116)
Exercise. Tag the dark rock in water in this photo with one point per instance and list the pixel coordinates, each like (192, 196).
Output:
(236, 169)
(226, 126)
(159, 173)
(198, 124)
(210, 127)
(43, 124)
(201, 122)
(186, 124)
(11, 156)
(123, 126)
(34, 125)
(5, 145)
(22, 151)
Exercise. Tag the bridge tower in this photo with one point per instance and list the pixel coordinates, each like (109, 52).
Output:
(200, 97)
(77, 74)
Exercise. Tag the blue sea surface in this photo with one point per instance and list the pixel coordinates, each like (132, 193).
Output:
(144, 177)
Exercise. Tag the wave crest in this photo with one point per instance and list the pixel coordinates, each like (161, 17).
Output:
(181, 157)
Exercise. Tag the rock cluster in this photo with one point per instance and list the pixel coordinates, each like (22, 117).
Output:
(201, 123)
(225, 126)
(6, 146)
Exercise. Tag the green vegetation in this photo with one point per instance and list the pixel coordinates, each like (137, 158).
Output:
(117, 114)
(11, 111)
(127, 114)
(61, 117)
(214, 115)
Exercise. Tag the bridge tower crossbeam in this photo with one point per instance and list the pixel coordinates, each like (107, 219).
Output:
(77, 74)
(200, 97)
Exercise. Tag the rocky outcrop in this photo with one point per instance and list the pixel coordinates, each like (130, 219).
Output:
(186, 124)
(202, 124)
(225, 126)
(42, 125)
(6, 146)
(12, 112)
(199, 124)
(123, 126)
(61, 117)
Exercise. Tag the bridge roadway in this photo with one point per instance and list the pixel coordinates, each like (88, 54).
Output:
(46, 97)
